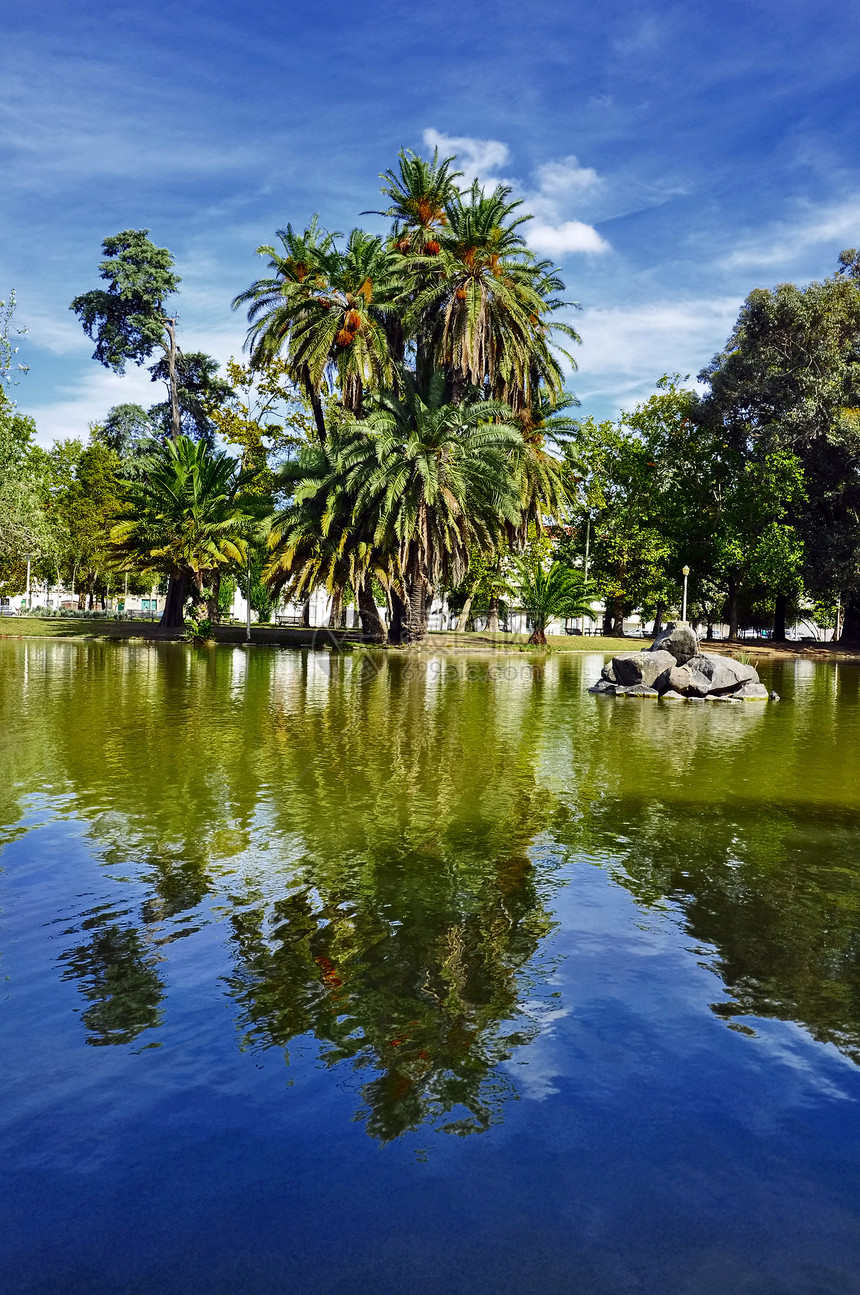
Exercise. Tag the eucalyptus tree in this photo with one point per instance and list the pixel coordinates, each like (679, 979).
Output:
(189, 517)
(789, 380)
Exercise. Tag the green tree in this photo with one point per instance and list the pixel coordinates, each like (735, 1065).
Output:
(546, 594)
(24, 529)
(789, 381)
(188, 517)
(130, 320)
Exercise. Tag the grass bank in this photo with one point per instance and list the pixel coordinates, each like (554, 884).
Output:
(437, 641)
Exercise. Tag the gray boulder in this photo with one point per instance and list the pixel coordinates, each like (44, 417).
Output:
(712, 675)
(751, 691)
(671, 695)
(604, 686)
(640, 667)
(675, 679)
(679, 639)
(641, 690)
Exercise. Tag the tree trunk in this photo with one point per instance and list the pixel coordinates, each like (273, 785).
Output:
(214, 594)
(658, 619)
(851, 622)
(336, 606)
(617, 618)
(607, 619)
(372, 624)
(493, 615)
(733, 609)
(415, 626)
(779, 617)
(306, 614)
(538, 636)
(397, 623)
(174, 604)
(463, 618)
(319, 419)
(175, 418)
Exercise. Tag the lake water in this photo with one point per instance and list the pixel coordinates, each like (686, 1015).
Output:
(355, 974)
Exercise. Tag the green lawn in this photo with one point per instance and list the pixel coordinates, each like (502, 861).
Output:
(35, 627)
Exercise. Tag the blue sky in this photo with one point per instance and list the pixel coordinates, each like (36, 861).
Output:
(674, 157)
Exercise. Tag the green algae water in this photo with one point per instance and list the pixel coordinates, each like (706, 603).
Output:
(350, 973)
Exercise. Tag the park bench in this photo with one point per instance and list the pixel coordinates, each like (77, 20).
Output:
(290, 620)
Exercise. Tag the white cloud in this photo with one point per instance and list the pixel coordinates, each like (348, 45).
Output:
(626, 349)
(569, 236)
(559, 184)
(479, 158)
(566, 178)
(784, 241)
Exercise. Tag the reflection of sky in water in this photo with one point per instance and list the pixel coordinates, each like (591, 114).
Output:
(586, 971)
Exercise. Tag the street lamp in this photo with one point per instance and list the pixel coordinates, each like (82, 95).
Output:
(685, 571)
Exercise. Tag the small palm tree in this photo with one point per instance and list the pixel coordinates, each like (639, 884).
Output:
(543, 595)
(187, 517)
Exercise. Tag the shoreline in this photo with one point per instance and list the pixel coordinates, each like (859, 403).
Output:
(449, 642)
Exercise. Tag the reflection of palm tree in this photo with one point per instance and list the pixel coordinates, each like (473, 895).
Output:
(117, 975)
(407, 948)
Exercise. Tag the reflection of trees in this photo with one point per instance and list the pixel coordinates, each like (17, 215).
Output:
(748, 823)
(366, 824)
(405, 946)
(117, 974)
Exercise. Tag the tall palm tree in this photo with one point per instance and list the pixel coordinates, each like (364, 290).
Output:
(326, 308)
(561, 591)
(187, 517)
(487, 304)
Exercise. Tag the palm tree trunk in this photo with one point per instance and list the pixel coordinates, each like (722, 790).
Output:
(336, 606)
(174, 604)
(397, 622)
(493, 615)
(372, 624)
(306, 614)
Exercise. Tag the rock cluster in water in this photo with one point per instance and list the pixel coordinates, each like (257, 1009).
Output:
(674, 669)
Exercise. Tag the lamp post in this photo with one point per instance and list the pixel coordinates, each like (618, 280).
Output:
(685, 571)
(248, 601)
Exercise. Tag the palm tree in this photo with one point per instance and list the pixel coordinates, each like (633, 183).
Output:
(313, 540)
(431, 481)
(487, 302)
(327, 310)
(561, 591)
(419, 195)
(187, 517)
